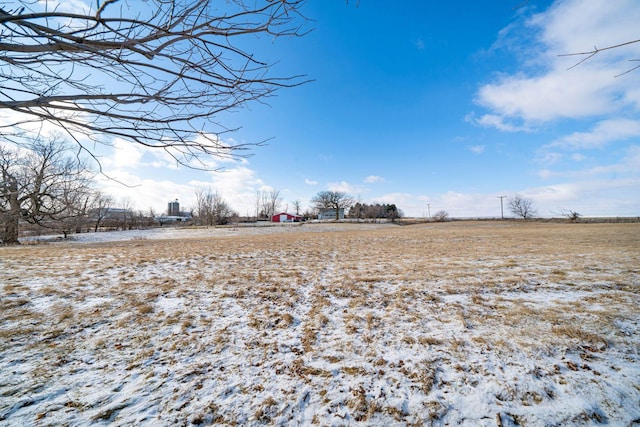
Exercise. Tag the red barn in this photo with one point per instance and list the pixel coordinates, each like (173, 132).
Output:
(286, 217)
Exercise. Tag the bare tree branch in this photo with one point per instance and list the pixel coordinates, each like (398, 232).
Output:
(154, 72)
(591, 53)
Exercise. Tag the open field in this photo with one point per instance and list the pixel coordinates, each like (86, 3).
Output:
(490, 323)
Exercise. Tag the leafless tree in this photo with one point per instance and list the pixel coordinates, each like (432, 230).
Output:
(76, 198)
(264, 204)
(267, 203)
(211, 208)
(522, 207)
(441, 216)
(125, 214)
(99, 209)
(204, 206)
(335, 200)
(275, 201)
(297, 206)
(153, 72)
(573, 216)
(43, 185)
(258, 203)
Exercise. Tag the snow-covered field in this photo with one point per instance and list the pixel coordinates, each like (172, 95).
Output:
(495, 324)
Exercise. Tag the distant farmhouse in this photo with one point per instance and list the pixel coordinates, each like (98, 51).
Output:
(330, 214)
(286, 217)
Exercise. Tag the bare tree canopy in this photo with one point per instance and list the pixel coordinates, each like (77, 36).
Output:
(335, 200)
(44, 185)
(572, 215)
(441, 216)
(211, 209)
(267, 203)
(522, 207)
(152, 72)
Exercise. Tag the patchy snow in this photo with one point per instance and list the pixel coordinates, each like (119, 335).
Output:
(194, 232)
(326, 324)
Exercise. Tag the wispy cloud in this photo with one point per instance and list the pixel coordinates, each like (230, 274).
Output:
(496, 121)
(549, 158)
(477, 149)
(76, 6)
(600, 135)
(627, 166)
(310, 181)
(346, 187)
(374, 179)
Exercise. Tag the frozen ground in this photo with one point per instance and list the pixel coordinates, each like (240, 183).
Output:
(448, 324)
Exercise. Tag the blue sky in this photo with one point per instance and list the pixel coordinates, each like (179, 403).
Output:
(441, 104)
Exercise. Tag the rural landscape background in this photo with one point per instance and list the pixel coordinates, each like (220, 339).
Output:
(459, 323)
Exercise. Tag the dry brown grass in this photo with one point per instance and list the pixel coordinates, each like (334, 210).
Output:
(321, 306)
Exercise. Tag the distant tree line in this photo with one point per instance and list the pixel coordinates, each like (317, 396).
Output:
(375, 211)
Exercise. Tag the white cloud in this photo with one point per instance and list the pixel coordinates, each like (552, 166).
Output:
(594, 197)
(590, 192)
(602, 133)
(550, 158)
(495, 121)
(455, 203)
(374, 179)
(238, 187)
(33, 127)
(546, 173)
(346, 188)
(143, 193)
(557, 94)
(628, 166)
(75, 6)
(310, 181)
(124, 155)
(578, 25)
(548, 91)
(477, 149)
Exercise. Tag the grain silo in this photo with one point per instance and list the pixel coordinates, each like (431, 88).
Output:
(174, 208)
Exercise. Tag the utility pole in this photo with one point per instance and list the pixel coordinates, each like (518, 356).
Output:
(501, 208)
(429, 211)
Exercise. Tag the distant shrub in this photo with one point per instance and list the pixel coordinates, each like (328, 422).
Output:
(441, 216)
